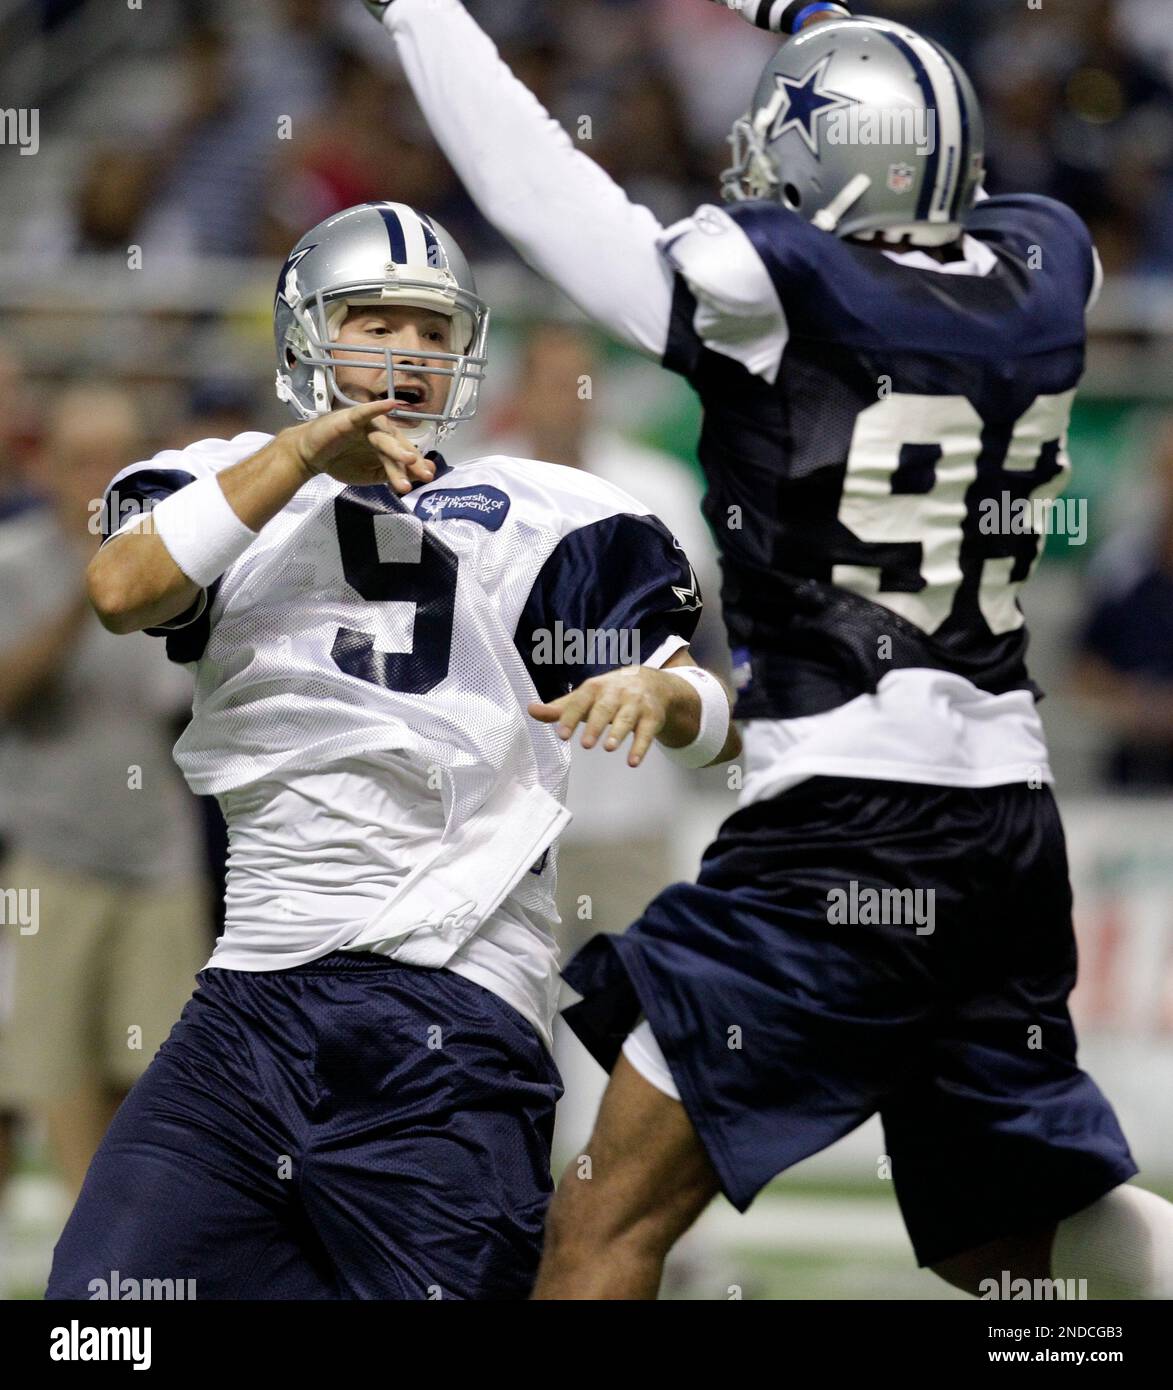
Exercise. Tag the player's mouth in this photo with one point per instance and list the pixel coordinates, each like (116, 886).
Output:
(411, 397)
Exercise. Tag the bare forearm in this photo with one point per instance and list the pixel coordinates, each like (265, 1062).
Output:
(134, 583)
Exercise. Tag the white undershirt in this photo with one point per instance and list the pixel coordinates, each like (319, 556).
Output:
(922, 726)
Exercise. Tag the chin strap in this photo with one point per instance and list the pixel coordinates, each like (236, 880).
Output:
(828, 218)
(424, 436)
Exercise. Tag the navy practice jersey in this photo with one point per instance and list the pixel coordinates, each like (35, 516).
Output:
(869, 425)
(861, 405)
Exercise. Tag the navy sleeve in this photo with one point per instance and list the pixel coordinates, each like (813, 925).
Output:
(609, 595)
(787, 245)
(138, 494)
(684, 349)
(1044, 234)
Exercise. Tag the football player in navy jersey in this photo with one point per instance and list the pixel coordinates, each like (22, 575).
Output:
(886, 361)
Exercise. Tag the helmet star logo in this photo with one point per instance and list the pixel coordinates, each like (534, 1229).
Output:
(804, 100)
(287, 280)
(686, 593)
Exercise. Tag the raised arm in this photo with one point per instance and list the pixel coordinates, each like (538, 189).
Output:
(562, 212)
(158, 567)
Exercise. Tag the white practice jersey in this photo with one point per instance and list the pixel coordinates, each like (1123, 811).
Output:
(361, 680)
(877, 426)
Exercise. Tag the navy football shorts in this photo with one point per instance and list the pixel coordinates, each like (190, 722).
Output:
(351, 1128)
(788, 1015)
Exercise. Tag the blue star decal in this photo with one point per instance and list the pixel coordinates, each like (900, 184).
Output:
(286, 270)
(688, 595)
(804, 100)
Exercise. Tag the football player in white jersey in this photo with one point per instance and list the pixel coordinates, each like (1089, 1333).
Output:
(390, 657)
(885, 361)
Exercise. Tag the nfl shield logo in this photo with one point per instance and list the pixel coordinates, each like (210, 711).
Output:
(900, 177)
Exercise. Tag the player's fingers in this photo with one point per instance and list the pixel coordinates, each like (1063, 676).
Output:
(395, 448)
(358, 417)
(622, 725)
(577, 707)
(547, 711)
(396, 480)
(394, 473)
(419, 466)
(649, 726)
(604, 709)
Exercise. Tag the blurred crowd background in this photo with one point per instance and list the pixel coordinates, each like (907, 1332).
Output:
(181, 148)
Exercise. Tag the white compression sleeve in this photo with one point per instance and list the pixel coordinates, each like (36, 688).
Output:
(1122, 1245)
(563, 213)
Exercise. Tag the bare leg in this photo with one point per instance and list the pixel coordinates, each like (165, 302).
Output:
(643, 1180)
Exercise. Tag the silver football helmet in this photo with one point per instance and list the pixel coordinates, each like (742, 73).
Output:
(862, 126)
(387, 254)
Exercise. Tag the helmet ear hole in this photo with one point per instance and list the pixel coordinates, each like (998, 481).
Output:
(791, 196)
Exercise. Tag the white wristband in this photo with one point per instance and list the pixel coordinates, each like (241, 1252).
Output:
(202, 533)
(714, 729)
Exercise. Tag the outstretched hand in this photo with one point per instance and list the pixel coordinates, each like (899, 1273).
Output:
(634, 701)
(360, 445)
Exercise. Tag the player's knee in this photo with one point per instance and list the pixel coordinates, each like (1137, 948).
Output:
(1018, 1257)
(607, 1210)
